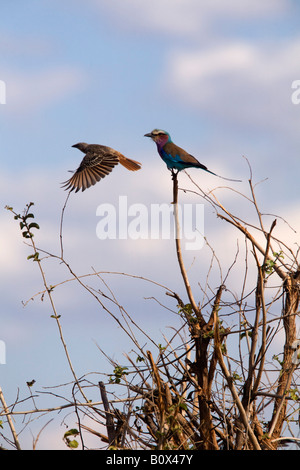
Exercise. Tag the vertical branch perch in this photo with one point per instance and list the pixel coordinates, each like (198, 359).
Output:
(109, 418)
(179, 252)
(208, 435)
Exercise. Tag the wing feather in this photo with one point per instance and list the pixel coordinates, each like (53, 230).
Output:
(98, 162)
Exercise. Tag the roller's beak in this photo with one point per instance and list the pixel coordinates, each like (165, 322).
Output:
(148, 135)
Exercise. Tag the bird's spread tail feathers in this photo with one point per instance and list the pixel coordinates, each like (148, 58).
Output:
(131, 165)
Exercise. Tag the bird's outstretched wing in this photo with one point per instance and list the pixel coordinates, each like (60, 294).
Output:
(92, 169)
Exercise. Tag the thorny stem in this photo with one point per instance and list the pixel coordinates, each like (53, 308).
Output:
(56, 316)
(49, 293)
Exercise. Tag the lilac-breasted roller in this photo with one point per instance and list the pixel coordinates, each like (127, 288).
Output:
(175, 157)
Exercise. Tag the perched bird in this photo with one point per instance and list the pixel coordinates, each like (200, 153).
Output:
(175, 157)
(98, 162)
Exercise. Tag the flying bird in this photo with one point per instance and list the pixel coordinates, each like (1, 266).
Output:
(98, 162)
(175, 157)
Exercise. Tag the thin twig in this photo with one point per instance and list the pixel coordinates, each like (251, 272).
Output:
(61, 226)
(232, 388)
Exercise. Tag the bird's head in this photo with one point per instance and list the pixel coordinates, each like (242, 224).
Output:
(80, 146)
(159, 136)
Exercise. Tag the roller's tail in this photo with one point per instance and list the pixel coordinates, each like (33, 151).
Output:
(223, 177)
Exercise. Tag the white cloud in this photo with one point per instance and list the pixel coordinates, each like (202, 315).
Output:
(31, 91)
(239, 81)
(185, 17)
(243, 80)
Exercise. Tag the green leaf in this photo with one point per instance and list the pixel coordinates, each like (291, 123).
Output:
(71, 432)
(33, 225)
(183, 406)
(27, 234)
(244, 335)
(294, 394)
(118, 374)
(72, 444)
(278, 255)
(28, 216)
(29, 384)
(34, 257)
(276, 358)
(236, 377)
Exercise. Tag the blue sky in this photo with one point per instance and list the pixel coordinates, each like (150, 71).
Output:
(217, 75)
